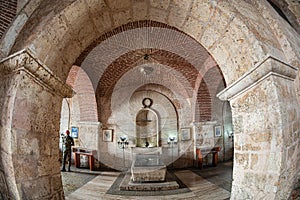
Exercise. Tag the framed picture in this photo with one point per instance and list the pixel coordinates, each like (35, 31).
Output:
(74, 132)
(218, 131)
(107, 135)
(185, 134)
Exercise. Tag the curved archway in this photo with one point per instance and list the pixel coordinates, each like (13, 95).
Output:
(227, 33)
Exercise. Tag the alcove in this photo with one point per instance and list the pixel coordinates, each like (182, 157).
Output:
(147, 126)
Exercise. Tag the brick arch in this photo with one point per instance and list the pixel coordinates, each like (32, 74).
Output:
(125, 27)
(130, 60)
(203, 104)
(126, 62)
(8, 13)
(81, 83)
(133, 80)
(210, 85)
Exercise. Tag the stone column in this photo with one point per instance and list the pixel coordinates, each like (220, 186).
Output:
(30, 104)
(266, 131)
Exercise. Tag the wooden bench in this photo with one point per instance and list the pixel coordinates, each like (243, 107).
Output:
(201, 153)
(85, 152)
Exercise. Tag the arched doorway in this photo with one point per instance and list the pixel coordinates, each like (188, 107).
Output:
(240, 54)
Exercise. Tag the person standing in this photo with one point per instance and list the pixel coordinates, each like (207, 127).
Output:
(68, 142)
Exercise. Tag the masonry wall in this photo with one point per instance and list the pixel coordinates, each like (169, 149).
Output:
(29, 132)
(266, 137)
(7, 188)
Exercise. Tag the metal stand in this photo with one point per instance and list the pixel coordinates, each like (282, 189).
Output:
(122, 144)
(172, 141)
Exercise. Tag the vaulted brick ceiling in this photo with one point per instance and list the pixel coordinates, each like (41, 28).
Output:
(124, 48)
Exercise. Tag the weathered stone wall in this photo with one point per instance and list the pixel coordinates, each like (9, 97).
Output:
(266, 132)
(29, 131)
(8, 188)
(209, 23)
(266, 149)
(37, 140)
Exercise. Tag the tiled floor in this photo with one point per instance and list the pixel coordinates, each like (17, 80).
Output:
(209, 183)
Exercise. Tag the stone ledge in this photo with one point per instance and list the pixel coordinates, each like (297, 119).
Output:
(25, 61)
(127, 184)
(267, 67)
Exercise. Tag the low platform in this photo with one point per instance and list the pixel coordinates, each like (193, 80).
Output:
(129, 185)
(148, 168)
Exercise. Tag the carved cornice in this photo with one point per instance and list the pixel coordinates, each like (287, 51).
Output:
(267, 67)
(26, 61)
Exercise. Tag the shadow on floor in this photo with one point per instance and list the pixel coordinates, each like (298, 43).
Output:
(220, 176)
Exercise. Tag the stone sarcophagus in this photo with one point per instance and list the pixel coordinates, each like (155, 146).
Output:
(148, 168)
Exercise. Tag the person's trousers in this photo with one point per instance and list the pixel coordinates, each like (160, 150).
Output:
(67, 154)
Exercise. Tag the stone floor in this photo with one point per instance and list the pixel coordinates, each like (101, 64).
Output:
(207, 183)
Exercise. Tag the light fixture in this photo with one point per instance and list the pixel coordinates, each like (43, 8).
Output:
(146, 70)
(172, 141)
(172, 138)
(122, 144)
(146, 57)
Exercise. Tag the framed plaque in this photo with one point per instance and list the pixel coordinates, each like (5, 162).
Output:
(107, 135)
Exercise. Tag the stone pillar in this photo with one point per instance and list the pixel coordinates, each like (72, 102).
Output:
(266, 131)
(30, 111)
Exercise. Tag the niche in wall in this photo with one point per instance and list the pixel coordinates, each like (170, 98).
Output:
(147, 126)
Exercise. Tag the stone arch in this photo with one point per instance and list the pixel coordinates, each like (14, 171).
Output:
(222, 22)
(224, 29)
(209, 12)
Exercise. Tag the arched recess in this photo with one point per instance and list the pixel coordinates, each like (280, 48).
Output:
(210, 113)
(82, 110)
(165, 109)
(226, 30)
(146, 126)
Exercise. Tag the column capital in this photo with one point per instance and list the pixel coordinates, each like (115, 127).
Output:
(269, 66)
(26, 61)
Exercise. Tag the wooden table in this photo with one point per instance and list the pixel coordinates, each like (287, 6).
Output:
(88, 153)
(201, 153)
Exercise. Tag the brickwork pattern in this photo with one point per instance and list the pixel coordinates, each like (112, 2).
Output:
(128, 61)
(120, 29)
(204, 102)
(86, 95)
(8, 9)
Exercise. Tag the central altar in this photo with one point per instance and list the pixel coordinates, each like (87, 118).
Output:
(148, 168)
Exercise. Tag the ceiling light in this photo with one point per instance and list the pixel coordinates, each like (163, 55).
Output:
(146, 70)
